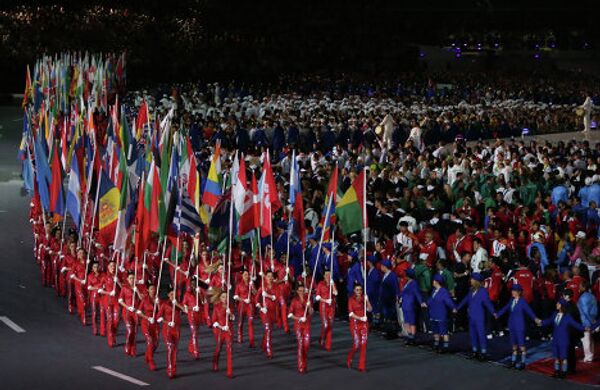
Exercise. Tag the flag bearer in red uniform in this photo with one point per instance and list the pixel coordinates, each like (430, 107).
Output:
(222, 331)
(359, 327)
(266, 302)
(171, 330)
(94, 283)
(79, 280)
(127, 302)
(193, 308)
(110, 306)
(325, 294)
(243, 295)
(301, 312)
(147, 313)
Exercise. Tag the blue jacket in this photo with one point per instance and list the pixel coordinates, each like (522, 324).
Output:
(559, 193)
(354, 276)
(411, 297)
(439, 303)
(280, 245)
(477, 303)
(516, 318)
(594, 194)
(584, 195)
(561, 331)
(374, 288)
(588, 309)
(390, 289)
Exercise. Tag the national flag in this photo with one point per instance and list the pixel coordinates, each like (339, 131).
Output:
(57, 200)
(332, 189)
(250, 215)
(140, 244)
(42, 173)
(187, 219)
(212, 189)
(151, 194)
(121, 230)
(240, 184)
(269, 199)
(74, 192)
(350, 208)
(298, 225)
(108, 208)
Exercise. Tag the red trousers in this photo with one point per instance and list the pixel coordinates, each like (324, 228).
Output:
(303, 342)
(245, 310)
(326, 312)
(267, 340)
(194, 321)
(80, 299)
(111, 309)
(150, 332)
(171, 339)
(130, 320)
(58, 286)
(283, 314)
(70, 293)
(95, 304)
(221, 338)
(46, 264)
(359, 331)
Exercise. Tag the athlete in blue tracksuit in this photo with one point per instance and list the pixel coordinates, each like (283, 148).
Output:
(411, 300)
(439, 304)
(477, 302)
(373, 287)
(518, 309)
(561, 337)
(389, 294)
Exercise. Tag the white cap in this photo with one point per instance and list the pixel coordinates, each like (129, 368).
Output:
(580, 234)
(588, 181)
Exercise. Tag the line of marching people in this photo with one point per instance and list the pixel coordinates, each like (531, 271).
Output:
(151, 295)
(441, 306)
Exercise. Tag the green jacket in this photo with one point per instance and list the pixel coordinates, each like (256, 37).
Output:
(423, 276)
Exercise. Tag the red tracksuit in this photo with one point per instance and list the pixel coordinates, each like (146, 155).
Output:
(150, 330)
(326, 312)
(45, 260)
(170, 334)
(219, 316)
(127, 298)
(80, 289)
(110, 307)
(69, 262)
(269, 318)
(244, 309)
(359, 331)
(191, 300)
(524, 278)
(302, 331)
(94, 282)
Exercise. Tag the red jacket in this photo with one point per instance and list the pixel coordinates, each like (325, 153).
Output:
(525, 279)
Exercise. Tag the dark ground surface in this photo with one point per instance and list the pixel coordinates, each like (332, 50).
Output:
(57, 352)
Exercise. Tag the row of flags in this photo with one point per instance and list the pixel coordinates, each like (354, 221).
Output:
(133, 178)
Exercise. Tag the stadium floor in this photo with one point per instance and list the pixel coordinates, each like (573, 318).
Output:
(55, 351)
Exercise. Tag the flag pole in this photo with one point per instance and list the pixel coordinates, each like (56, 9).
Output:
(87, 262)
(364, 215)
(160, 270)
(227, 285)
(332, 242)
(312, 281)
